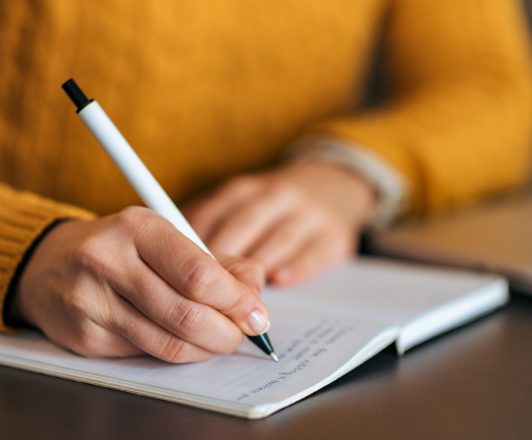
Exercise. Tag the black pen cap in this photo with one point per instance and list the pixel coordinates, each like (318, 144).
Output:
(76, 94)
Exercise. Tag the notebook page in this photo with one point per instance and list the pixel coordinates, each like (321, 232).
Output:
(318, 328)
(311, 347)
(381, 291)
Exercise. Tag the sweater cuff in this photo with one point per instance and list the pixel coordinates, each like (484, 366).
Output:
(23, 218)
(391, 187)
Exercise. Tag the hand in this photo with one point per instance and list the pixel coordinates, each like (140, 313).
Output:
(295, 220)
(130, 284)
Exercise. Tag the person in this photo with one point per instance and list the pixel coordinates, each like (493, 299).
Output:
(264, 96)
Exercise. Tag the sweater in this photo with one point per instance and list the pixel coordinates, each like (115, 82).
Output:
(207, 90)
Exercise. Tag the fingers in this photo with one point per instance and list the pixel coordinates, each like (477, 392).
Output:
(324, 251)
(149, 337)
(275, 224)
(92, 340)
(206, 214)
(131, 283)
(286, 241)
(238, 233)
(196, 276)
(206, 282)
(119, 330)
(189, 321)
(245, 270)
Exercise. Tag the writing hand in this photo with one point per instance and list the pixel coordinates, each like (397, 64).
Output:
(130, 283)
(294, 220)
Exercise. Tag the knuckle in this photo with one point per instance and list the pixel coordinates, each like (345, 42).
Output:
(320, 219)
(247, 217)
(133, 219)
(173, 350)
(144, 290)
(202, 277)
(240, 184)
(85, 342)
(130, 213)
(84, 336)
(77, 303)
(187, 317)
(95, 258)
(239, 301)
(284, 190)
(89, 254)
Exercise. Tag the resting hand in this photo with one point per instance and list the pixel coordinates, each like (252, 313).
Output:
(131, 284)
(294, 220)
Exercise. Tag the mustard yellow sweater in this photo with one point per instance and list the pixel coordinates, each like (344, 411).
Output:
(205, 90)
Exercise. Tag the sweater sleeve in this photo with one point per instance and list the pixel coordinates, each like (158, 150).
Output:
(23, 217)
(458, 120)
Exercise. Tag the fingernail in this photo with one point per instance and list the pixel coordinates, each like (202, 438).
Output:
(258, 323)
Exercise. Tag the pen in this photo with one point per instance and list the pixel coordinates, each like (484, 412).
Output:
(140, 178)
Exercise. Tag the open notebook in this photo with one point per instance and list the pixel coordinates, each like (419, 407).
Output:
(320, 330)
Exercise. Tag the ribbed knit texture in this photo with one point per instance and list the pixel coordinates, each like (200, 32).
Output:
(207, 90)
(458, 123)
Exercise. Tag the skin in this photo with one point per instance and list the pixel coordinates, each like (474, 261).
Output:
(295, 220)
(130, 283)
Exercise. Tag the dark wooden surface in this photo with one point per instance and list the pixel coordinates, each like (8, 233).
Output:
(471, 383)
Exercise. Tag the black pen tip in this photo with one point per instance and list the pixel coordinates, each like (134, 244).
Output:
(263, 342)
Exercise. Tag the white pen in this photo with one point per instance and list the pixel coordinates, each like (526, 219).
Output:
(140, 178)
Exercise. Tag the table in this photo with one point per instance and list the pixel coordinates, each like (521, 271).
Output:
(474, 382)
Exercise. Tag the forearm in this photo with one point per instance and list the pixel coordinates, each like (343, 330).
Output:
(458, 121)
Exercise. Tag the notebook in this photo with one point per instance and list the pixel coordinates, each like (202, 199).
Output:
(320, 329)
(495, 236)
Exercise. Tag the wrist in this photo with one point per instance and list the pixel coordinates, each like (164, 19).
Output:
(349, 194)
(391, 187)
(13, 315)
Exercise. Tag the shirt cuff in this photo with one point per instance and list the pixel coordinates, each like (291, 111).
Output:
(391, 187)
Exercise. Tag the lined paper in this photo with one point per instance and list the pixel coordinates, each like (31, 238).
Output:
(320, 330)
(310, 346)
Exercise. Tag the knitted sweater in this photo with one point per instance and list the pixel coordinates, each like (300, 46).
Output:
(206, 90)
